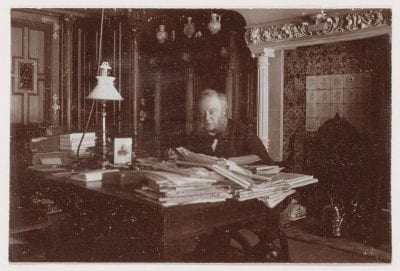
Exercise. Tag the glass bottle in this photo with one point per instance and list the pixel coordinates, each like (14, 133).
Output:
(189, 28)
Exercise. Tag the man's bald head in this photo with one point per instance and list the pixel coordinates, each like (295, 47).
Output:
(212, 111)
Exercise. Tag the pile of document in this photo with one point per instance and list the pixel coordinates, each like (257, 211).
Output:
(201, 159)
(70, 142)
(91, 175)
(263, 169)
(263, 182)
(245, 159)
(170, 189)
(90, 178)
(276, 190)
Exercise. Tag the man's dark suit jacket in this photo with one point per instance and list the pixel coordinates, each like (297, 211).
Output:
(237, 140)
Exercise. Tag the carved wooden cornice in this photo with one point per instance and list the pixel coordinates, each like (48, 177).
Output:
(69, 21)
(318, 26)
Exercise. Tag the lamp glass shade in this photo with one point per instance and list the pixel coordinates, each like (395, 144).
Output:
(105, 90)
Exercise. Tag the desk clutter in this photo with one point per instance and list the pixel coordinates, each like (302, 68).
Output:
(213, 179)
(70, 142)
(196, 178)
(53, 150)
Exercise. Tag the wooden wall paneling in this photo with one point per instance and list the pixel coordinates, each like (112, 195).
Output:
(55, 92)
(234, 60)
(61, 70)
(157, 109)
(31, 43)
(135, 86)
(17, 99)
(50, 24)
(97, 108)
(85, 79)
(120, 75)
(189, 104)
(50, 102)
(36, 50)
(80, 108)
(86, 57)
(115, 67)
(229, 90)
(130, 83)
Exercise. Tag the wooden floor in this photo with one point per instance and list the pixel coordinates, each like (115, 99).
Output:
(303, 252)
(308, 247)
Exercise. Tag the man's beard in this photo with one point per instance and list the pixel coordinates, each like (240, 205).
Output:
(219, 129)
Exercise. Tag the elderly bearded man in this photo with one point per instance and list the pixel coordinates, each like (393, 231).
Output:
(217, 136)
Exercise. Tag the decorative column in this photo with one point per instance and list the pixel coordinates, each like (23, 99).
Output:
(55, 72)
(263, 93)
(66, 78)
(189, 102)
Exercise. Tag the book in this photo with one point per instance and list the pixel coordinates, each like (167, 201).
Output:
(92, 175)
(46, 168)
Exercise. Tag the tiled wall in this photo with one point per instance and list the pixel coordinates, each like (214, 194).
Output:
(324, 64)
(347, 95)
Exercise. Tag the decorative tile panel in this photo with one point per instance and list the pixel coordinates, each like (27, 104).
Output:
(311, 82)
(347, 95)
(337, 96)
(312, 96)
(324, 82)
(349, 81)
(337, 81)
(324, 96)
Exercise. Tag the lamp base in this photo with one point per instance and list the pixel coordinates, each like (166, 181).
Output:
(104, 163)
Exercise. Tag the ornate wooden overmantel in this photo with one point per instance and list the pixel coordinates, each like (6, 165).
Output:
(318, 29)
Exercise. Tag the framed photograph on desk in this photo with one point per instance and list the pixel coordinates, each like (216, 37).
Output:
(122, 150)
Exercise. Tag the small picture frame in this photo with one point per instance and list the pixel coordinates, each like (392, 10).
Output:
(122, 150)
(26, 76)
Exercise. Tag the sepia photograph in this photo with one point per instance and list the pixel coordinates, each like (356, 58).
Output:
(206, 134)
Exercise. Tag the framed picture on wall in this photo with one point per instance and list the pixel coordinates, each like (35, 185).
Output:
(122, 151)
(25, 76)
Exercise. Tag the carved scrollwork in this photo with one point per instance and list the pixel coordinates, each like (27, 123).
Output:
(69, 22)
(319, 24)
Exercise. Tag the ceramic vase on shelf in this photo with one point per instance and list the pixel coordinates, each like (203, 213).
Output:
(189, 28)
(162, 35)
(215, 24)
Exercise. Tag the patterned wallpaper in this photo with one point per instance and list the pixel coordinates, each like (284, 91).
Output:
(361, 56)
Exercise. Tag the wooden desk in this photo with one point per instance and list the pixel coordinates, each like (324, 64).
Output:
(114, 217)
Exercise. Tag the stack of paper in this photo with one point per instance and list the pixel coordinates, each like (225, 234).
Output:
(273, 200)
(264, 169)
(170, 189)
(92, 175)
(45, 144)
(245, 159)
(70, 142)
(297, 180)
(275, 190)
(187, 155)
